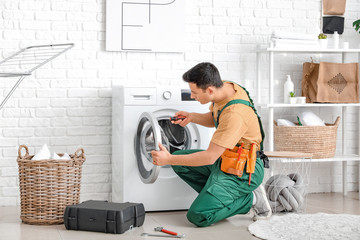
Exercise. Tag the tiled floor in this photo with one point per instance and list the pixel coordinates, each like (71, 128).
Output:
(235, 227)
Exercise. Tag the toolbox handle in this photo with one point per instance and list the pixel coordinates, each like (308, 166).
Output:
(110, 221)
(136, 216)
(26, 152)
(71, 218)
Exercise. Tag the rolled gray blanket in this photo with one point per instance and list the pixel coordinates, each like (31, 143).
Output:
(285, 192)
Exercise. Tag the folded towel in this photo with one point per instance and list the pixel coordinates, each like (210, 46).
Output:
(292, 35)
(294, 41)
(297, 46)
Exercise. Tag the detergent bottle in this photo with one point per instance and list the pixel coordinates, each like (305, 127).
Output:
(288, 87)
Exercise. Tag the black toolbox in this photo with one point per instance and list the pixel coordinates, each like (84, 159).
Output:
(100, 216)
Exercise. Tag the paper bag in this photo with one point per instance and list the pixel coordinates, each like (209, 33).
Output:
(330, 82)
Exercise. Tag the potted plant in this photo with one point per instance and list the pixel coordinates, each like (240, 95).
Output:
(356, 25)
(292, 98)
(323, 41)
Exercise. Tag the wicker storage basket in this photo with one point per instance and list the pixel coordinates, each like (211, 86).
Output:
(318, 140)
(48, 186)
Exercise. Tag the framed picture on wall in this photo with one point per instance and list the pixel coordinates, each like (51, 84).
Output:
(145, 26)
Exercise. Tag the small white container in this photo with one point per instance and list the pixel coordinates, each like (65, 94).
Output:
(301, 100)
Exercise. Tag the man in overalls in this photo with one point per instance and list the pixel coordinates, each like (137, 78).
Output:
(228, 174)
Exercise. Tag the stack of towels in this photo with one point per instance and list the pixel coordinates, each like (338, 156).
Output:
(290, 40)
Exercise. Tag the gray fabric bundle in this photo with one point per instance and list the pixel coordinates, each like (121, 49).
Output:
(285, 192)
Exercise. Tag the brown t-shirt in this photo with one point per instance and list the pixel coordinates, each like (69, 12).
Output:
(237, 122)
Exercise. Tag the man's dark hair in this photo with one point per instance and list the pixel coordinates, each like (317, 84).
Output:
(203, 75)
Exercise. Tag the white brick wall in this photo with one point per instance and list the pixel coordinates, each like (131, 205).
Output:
(67, 103)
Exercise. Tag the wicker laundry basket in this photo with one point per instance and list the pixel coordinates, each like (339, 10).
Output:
(318, 140)
(48, 186)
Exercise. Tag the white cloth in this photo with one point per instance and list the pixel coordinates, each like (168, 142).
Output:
(295, 41)
(293, 35)
(285, 122)
(44, 153)
(308, 118)
(297, 46)
(64, 157)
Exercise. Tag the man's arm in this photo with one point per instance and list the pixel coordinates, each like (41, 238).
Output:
(204, 119)
(207, 157)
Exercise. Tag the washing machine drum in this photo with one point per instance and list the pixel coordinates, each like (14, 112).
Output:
(173, 137)
(150, 131)
(175, 134)
(147, 141)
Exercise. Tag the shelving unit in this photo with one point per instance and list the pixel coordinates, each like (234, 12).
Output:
(271, 105)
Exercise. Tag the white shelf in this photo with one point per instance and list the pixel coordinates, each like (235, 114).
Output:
(336, 158)
(339, 158)
(271, 104)
(287, 105)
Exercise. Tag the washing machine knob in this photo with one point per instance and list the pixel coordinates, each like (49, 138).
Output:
(167, 95)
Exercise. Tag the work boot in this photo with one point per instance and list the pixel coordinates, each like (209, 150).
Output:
(262, 207)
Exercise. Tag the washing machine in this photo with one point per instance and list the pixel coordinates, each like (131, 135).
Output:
(140, 119)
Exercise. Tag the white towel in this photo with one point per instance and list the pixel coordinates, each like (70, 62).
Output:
(64, 157)
(297, 47)
(44, 153)
(308, 118)
(292, 35)
(294, 41)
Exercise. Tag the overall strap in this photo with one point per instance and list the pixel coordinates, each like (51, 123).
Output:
(235, 101)
(247, 103)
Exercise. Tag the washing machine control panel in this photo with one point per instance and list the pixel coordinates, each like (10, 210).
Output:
(158, 96)
(175, 96)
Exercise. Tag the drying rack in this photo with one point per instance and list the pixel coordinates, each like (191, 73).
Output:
(27, 60)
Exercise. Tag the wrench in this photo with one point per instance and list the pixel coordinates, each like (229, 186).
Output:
(160, 235)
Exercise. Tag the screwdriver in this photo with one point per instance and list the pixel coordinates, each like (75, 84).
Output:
(177, 118)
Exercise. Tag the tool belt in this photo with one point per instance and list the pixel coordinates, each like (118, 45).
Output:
(233, 161)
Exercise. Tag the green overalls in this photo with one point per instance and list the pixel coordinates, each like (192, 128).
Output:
(221, 195)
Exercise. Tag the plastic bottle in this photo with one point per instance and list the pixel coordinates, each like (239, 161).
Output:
(288, 87)
(336, 40)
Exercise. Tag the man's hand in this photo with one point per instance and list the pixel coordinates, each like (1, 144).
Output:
(161, 157)
(182, 122)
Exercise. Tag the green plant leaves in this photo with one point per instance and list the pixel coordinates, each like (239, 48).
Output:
(356, 24)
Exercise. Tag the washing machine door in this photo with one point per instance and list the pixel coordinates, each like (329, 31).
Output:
(148, 135)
